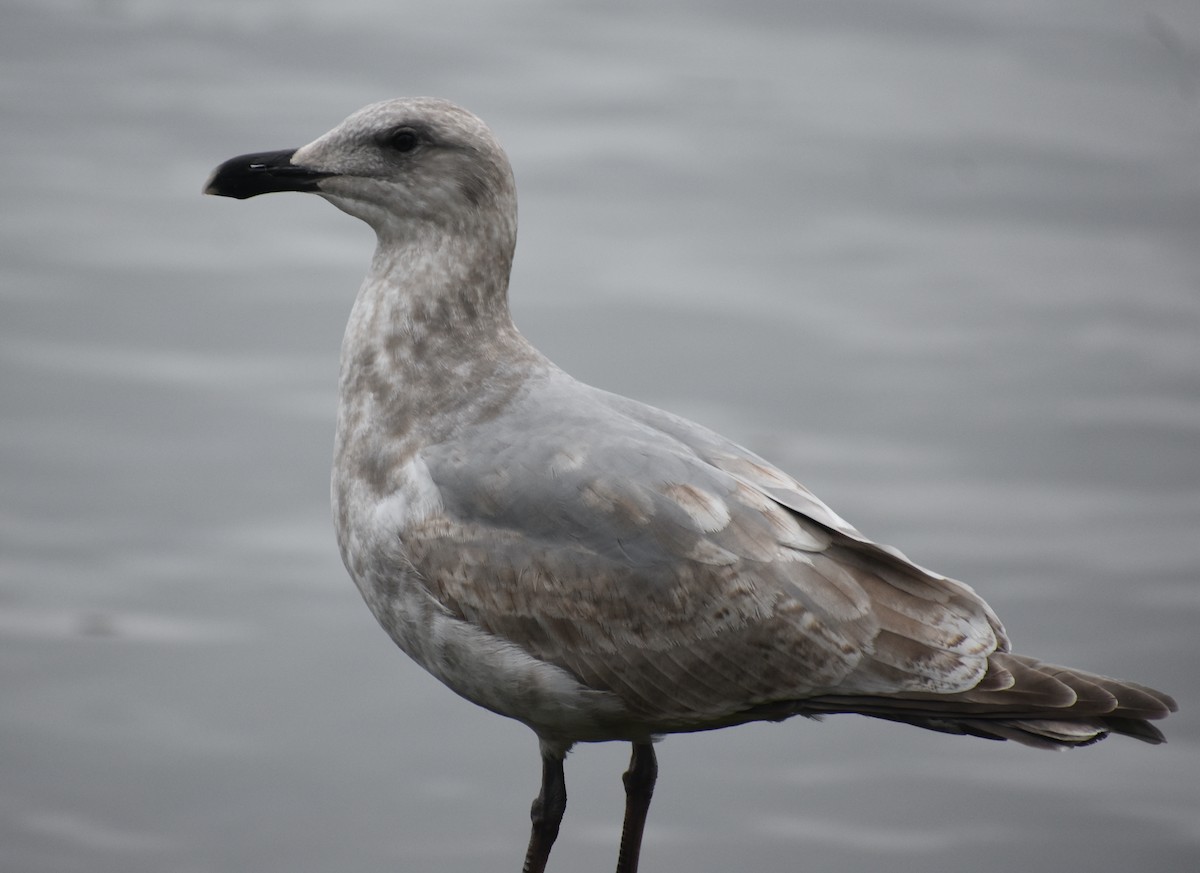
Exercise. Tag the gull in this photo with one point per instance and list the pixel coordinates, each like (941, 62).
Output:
(596, 568)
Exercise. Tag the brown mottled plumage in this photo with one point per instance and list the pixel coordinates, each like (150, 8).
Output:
(594, 567)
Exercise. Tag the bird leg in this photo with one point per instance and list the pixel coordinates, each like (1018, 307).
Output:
(639, 788)
(547, 813)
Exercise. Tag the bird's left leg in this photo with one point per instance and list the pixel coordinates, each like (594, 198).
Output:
(547, 811)
(639, 788)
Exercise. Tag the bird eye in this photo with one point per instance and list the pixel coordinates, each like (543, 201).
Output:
(403, 140)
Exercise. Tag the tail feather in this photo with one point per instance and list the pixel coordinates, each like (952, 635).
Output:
(1024, 700)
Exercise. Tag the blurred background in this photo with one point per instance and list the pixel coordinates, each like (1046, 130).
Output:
(939, 260)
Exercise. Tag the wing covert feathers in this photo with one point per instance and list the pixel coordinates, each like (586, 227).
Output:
(701, 587)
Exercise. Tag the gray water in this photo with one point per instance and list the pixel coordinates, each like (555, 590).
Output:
(938, 259)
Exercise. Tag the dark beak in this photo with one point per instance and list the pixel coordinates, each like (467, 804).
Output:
(263, 173)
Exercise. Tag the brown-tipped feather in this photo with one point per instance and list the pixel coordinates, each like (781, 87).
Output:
(1044, 706)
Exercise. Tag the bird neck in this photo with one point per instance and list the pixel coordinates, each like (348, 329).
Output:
(430, 330)
(440, 281)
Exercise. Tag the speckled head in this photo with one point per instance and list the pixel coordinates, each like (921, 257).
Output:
(393, 164)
